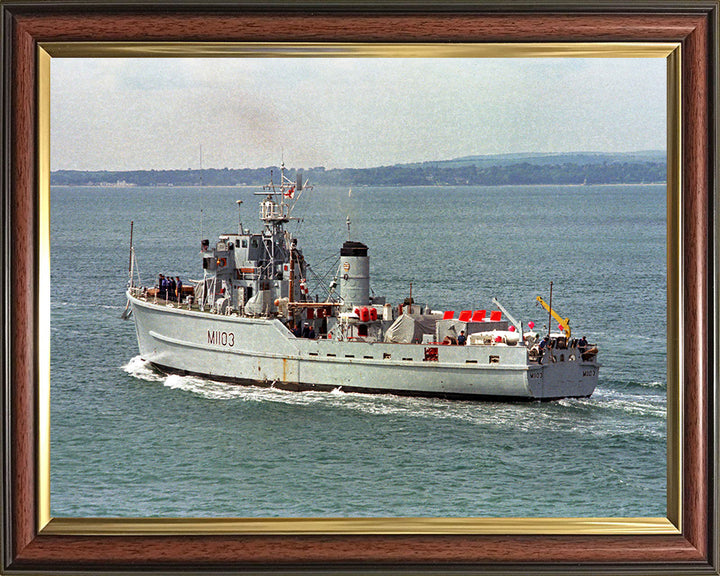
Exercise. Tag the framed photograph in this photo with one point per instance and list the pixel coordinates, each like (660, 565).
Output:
(96, 510)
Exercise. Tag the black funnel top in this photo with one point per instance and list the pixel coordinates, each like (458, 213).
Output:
(350, 248)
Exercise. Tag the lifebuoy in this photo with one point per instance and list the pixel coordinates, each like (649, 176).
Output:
(221, 262)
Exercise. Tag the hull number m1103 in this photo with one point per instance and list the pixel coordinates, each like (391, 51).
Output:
(220, 338)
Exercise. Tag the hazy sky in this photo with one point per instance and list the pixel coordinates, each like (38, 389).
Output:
(118, 114)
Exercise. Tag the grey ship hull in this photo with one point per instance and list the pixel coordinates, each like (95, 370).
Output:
(264, 352)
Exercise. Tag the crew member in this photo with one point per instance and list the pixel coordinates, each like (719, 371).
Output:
(163, 287)
(582, 344)
(178, 288)
(542, 346)
(461, 339)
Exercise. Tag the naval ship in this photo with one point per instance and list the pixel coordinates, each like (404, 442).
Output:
(250, 320)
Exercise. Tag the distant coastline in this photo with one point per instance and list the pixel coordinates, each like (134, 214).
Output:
(496, 170)
(255, 187)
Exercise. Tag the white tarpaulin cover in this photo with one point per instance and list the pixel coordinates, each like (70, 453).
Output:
(410, 328)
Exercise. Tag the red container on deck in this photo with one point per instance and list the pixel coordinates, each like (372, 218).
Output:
(479, 315)
(465, 316)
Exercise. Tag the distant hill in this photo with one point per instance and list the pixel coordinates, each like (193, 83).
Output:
(491, 170)
(545, 159)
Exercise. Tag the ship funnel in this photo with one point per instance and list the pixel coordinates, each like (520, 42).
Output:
(299, 181)
(355, 274)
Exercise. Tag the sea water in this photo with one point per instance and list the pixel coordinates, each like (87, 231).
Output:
(129, 442)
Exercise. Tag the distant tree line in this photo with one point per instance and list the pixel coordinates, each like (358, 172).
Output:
(205, 177)
(517, 174)
(522, 173)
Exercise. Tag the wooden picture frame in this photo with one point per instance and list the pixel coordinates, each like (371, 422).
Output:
(685, 542)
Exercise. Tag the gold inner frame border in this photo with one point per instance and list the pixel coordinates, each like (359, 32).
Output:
(381, 526)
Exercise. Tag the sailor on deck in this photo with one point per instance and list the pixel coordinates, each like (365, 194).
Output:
(541, 347)
(163, 287)
(582, 344)
(178, 288)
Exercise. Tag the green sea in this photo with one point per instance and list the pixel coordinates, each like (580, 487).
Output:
(128, 442)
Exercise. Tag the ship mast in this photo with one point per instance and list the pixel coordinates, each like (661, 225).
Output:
(130, 262)
(275, 210)
(550, 310)
(291, 280)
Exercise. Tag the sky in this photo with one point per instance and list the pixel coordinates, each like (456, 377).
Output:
(174, 113)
